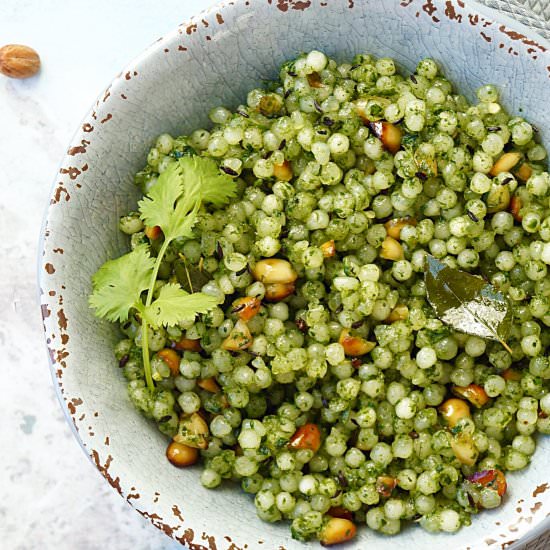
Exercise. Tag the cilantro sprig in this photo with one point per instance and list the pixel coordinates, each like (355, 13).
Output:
(172, 204)
(118, 284)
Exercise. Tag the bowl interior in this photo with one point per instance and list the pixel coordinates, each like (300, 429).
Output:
(216, 59)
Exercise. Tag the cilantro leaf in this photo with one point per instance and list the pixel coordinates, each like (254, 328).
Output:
(183, 220)
(174, 305)
(203, 178)
(158, 207)
(118, 284)
(172, 204)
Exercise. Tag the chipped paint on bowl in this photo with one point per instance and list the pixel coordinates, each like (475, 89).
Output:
(215, 58)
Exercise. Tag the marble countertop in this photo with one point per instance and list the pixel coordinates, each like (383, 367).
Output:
(50, 494)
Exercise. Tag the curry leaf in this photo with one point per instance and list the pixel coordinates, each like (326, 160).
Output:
(467, 303)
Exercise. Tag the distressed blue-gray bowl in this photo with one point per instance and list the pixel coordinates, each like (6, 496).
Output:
(213, 59)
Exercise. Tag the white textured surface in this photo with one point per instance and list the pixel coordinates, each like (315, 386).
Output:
(50, 494)
(172, 86)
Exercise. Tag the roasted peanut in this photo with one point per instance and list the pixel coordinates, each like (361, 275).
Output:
(464, 449)
(385, 485)
(209, 384)
(389, 134)
(511, 374)
(283, 171)
(153, 232)
(473, 393)
(171, 358)
(275, 292)
(399, 313)
(307, 436)
(192, 431)
(505, 163)
(498, 198)
(181, 455)
(354, 345)
(515, 208)
(328, 249)
(274, 270)
(337, 530)
(239, 338)
(426, 165)
(391, 249)
(186, 344)
(246, 307)
(394, 226)
(524, 172)
(453, 410)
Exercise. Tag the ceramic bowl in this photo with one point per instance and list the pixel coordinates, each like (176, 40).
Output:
(214, 59)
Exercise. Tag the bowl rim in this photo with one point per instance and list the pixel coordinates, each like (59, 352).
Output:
(153, 49)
